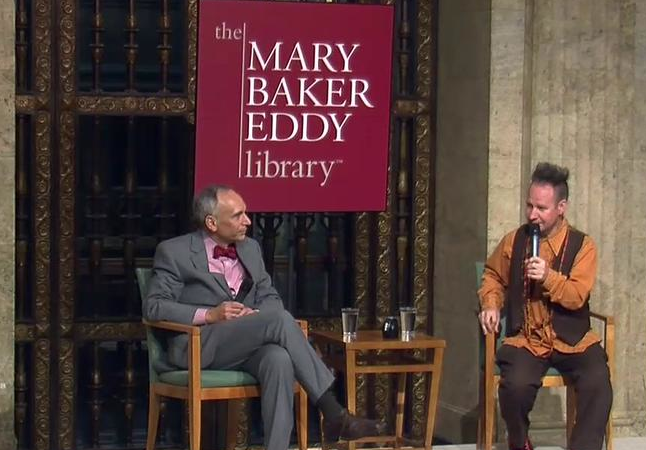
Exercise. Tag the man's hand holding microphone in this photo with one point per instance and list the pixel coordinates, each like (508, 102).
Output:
(536, 271)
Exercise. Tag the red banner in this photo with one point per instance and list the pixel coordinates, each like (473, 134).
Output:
(293, 103)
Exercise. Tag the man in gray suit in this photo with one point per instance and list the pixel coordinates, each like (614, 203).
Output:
(216, 278)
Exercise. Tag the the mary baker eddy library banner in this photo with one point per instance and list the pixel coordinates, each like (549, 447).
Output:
(293, 103)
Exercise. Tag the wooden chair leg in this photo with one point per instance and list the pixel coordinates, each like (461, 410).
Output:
(195, 421)
(489, 413)
(301, 418)
(609, 433)
(399, 413)
(570, 413)
(481, 417)
(433, 394)
(351, 388)
(480, 438)
(234, 408)
(154, 401)
(324, 444)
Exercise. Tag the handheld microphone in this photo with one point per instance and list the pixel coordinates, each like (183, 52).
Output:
(534, 233)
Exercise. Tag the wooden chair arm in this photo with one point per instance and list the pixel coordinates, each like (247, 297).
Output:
(490, 355)
(194, 351)
(607, 320)
(194, 347)
(303, 324)
(608, 329)
(609, 338)
(488, 382)
(195, 357)
(173, 326)
(490, 344)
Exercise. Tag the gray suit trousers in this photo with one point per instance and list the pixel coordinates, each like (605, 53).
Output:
(271, 346)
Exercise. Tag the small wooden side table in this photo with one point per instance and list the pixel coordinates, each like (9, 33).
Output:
(358, 358)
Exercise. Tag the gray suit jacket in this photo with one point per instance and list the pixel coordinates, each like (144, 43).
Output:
(181, 283)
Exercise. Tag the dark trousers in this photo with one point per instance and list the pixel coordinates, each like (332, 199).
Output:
(521, 374)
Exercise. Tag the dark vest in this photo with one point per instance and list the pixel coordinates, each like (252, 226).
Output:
(570, 326)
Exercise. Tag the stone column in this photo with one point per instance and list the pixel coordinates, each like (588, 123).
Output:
(7, 221)
(509, 118)
(576, 96)
(588, 113)
(460, 205)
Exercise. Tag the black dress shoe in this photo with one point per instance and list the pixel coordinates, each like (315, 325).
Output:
(349, 427)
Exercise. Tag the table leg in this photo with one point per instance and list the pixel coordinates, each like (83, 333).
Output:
(433, 395)
(401, 401)
(351, 386)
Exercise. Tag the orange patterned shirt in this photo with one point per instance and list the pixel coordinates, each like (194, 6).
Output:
(537, 334)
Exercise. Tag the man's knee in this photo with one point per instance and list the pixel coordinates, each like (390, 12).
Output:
(287, 317)
(280, 316)
(517, 386)
(595, 380)
(283, 322)
(276, 362)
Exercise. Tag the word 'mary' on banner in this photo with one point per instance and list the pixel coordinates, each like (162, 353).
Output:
(293, 103)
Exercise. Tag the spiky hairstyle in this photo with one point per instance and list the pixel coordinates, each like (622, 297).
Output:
(556, 176)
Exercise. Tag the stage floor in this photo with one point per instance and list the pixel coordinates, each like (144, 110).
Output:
(625, 443)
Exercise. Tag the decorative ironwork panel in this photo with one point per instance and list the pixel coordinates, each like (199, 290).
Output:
(423, 205)
(41, 395)
(24, 219)
(132, 46)
(23, 408)
(24, 49)
(104, 140)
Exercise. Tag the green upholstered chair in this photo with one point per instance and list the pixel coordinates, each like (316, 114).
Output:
(195, 385)
(491, 378)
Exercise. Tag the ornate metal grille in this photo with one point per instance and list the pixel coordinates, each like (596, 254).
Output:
(105, 131)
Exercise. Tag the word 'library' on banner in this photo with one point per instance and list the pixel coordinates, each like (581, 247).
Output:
(293, 103)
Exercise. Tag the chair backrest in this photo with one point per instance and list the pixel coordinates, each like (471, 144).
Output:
(155, 349)
(479, 272)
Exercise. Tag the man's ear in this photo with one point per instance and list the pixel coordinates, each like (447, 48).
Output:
(211, 223)
(561, 207)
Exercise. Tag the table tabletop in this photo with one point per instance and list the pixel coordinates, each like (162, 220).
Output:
(373, 340)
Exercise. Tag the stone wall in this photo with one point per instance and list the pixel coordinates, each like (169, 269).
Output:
(7, 221)
(567, 84)
(461, 205)
(582, 106)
